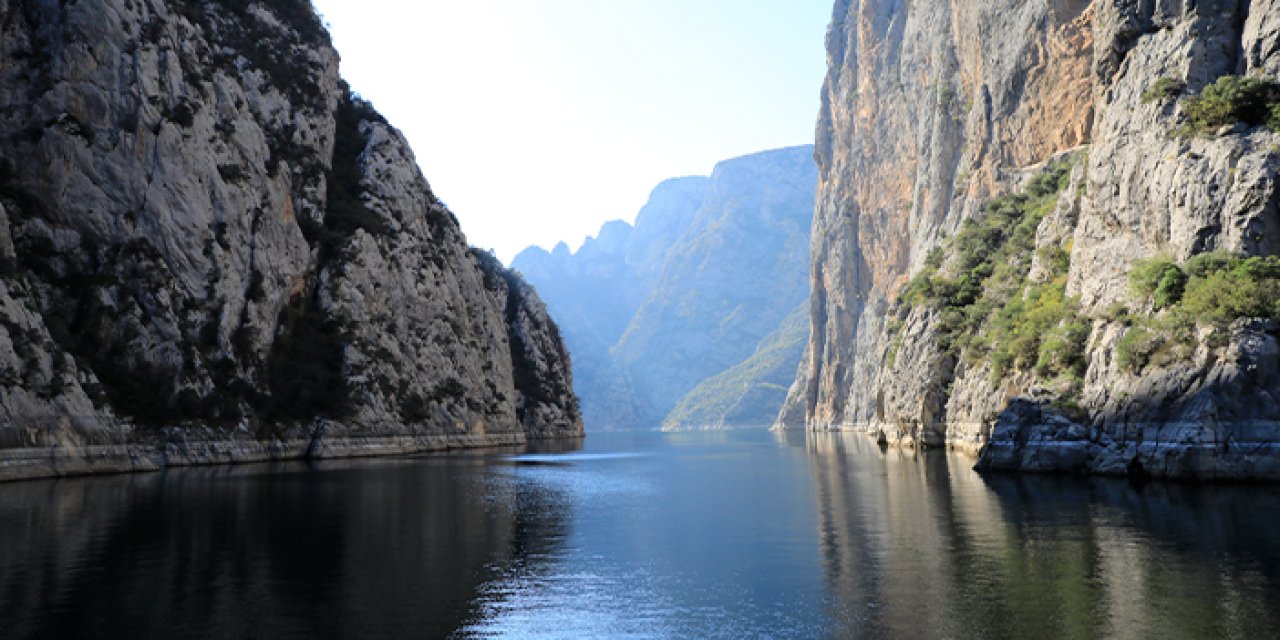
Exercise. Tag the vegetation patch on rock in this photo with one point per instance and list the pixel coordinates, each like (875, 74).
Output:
(1209, 291)
(991, 309)
(1230, 100)
(1163, 89)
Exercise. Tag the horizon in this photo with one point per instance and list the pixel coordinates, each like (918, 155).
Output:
(601, 115)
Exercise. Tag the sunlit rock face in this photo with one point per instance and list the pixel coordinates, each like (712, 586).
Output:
(206, 236)
(678, 321)
(933, 109)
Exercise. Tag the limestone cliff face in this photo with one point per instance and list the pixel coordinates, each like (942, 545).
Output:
(923, 115)
(931, 110)
(204, 229)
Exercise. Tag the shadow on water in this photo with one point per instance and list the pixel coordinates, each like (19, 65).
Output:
(391, 548)
(915, 544)
(555, 445)
(722, 535)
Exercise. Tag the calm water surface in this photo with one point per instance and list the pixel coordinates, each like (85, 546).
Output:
(732, 535)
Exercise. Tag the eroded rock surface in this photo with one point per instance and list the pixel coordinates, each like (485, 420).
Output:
(206, 236)
(930, 110)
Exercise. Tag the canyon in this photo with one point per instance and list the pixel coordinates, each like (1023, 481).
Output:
(692, 317)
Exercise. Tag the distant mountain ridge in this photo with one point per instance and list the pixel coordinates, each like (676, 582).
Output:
(712, 266)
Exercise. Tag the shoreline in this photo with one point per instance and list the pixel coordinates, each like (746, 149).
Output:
(42, 463)
(1242, 462)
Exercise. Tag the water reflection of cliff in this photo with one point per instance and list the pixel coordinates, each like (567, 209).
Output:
(917, 545)
(385, 549)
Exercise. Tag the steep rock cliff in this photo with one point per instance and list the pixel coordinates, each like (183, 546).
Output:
(208, 238)
(937, 113)
(711, 268)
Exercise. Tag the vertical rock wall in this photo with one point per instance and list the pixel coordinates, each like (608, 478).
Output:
(207, 235)
(924, 115)
(933, 108)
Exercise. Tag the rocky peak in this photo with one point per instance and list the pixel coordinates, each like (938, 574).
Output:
(700, 286)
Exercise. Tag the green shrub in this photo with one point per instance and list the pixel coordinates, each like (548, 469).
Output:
(448, 389)
(1211, 290)
(989, 309)
(1000, 244)
(240, 31)
(183, 113)
(1158, 278)
(415, 408)
(1247, 288)
(1051, 181)
(1258, 267)
(1058, 259)
(891, 358)
(1169, 290)
(1135, 348)
(1038, 330)
(1117, 312)
(1062, 350)
(927, 288)
(1146, 274)
(1203, 264)
(1229, 100)
(1163, 89)
(934, 258)
(346, 210)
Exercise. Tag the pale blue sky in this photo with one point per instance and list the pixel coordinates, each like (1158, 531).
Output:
(537, 120)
